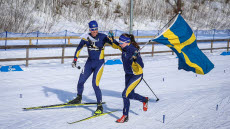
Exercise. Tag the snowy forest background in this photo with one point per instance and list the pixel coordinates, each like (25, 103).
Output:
(23, 16)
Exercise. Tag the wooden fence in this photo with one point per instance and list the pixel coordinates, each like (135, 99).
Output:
(63, 46)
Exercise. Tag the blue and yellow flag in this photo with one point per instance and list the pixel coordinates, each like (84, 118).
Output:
(181, 39)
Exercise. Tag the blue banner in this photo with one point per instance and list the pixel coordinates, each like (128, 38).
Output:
(113, 62)
(11, 68)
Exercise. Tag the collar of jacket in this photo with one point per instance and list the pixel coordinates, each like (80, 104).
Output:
(95, 36)
(124, 49)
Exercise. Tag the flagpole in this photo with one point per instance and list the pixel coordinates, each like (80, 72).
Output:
(159, 31)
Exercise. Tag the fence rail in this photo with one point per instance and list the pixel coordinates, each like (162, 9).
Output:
(62, 37)
(63, 46)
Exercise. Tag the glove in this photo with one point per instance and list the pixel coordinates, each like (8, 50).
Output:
(135, 56)
(111, 34)
(74, 63)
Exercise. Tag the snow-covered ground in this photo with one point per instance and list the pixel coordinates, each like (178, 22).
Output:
(187, 100)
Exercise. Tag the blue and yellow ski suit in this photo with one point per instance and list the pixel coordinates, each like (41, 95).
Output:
(95, 61)
(133, 76)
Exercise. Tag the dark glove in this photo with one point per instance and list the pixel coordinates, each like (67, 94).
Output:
(135, 56)
(74, 63)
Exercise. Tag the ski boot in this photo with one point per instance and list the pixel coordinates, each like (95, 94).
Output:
(145, 104)
(123, 119)
(77, 100)
(99, 110)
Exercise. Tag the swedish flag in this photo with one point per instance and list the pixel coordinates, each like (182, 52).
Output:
(181, 39)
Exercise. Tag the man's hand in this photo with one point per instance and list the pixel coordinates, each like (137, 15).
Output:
(111, 34)
(74, 63)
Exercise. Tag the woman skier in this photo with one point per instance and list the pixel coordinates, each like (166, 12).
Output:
(133, 65)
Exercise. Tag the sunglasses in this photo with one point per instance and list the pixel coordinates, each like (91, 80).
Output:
(93, 29)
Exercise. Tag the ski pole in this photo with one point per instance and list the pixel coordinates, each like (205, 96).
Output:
(151, 90)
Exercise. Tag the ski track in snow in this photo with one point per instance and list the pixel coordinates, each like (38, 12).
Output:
(187, 101)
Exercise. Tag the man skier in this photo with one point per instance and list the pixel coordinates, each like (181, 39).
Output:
(95, 43)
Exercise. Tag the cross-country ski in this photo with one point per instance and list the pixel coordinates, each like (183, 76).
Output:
(59, 105)
(91, 117)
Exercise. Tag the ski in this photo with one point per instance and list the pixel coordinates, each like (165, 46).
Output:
(60, 105)
(94, 116)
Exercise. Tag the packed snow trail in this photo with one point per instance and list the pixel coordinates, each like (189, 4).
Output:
(187, 100)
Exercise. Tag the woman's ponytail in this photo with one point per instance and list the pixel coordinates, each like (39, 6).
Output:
(133, 41)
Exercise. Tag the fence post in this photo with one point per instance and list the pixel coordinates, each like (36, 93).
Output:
(214, 33)
(63, 54)
(68, 40)
(37, 36)
(65, 35)
(27, 56)
(116, 33)
(6, 40)
(196, 32)
(211, 45)
(30, 42)
(228, 45)
(152, 49)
